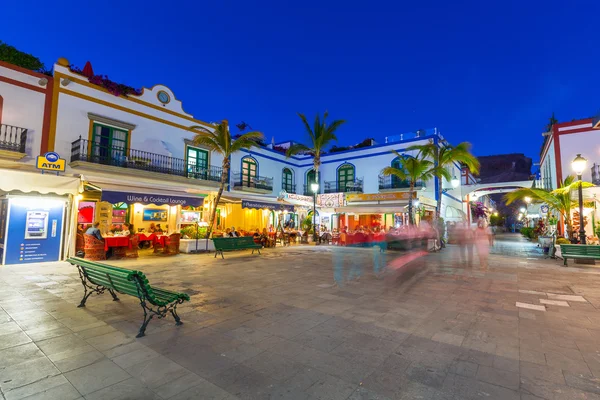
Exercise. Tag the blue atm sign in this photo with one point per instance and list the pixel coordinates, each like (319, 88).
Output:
(51, 161)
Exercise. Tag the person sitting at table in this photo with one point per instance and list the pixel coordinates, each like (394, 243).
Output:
(152, 228)
(127, 228)
(80, 228)
(234, 233)
(158, 229)
(94, 231)
(228, 232)
(265, 239)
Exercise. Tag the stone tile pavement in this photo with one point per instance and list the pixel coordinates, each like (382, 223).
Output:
(277, 327)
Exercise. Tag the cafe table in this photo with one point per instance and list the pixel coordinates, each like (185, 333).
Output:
(116, 241)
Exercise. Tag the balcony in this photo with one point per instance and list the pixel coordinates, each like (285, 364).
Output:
(258, 184)
(289, 188)
(308, 191)
(86, 154)
(393, 183)
(12, 141)
(596, 174)
(355, 186)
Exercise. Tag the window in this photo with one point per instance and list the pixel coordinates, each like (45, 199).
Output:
(287, 180)
(197, 163)
(345, 177)
(109, 144)
(249, 169)
(397, 182)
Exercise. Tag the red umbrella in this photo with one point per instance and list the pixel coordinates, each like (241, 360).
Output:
(87, 70)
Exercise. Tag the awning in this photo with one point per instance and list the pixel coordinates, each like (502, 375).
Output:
(114, 197)
(454, 214)
(276, 206)
(13, 180)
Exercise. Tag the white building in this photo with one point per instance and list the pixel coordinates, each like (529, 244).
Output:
(130, 158)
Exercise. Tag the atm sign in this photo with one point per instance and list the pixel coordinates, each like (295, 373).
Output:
(51, 161)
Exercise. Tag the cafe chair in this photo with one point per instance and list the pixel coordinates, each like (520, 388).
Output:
(133, 251)
(93, 248)
(79, 243)
(172, 244)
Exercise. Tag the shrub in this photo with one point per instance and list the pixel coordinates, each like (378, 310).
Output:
(189, 232)
(562, 240)
(528, 232)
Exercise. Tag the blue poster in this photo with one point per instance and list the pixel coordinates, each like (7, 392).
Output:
(34, 231)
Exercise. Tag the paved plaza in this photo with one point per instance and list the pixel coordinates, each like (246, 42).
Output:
(277, 326)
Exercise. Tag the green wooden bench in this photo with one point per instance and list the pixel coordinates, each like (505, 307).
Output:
(98, 278)
(238, 243)
(582, 251)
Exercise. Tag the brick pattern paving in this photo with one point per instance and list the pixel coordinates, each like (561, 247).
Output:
(277, 327)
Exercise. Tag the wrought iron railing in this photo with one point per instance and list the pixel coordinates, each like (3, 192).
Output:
(393, 182)
(289, 187)
(254, 182)
(343, 187)
(596, 174)
(98, 153)
(13, 138)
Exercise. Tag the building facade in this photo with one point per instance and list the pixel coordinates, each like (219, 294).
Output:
(131, 158)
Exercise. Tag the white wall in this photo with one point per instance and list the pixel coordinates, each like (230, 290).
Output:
(23, 108)
(152, 135)
(585, 143)
(548, 167)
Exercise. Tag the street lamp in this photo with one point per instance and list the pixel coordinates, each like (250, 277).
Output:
(527, 199)
(522, 209)
(578, 165)
(315, 188)
(454, 182)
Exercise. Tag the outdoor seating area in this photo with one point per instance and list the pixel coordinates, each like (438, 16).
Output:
(579, 252)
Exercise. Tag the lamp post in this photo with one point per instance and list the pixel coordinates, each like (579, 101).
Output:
(315, 188)
(578, 165)
(454, 182)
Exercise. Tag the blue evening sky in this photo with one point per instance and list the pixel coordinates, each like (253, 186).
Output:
(487, 72)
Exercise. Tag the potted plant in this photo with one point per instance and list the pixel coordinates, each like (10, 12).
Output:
(552, 222)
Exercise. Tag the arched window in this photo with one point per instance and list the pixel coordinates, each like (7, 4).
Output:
(249, 171)
(287, 180)
(310, 178)
(398, 183)
(345, 177)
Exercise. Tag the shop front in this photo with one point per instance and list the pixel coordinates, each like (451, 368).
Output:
(35, 211)
(151, 216)
(248, 215)
(374, 210)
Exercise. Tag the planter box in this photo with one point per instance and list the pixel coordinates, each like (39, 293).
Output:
(189, 245)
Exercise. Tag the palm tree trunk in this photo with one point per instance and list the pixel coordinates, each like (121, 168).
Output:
(411, 190)
(224, 175)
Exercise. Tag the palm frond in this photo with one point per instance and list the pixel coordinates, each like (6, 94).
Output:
(297, 148)
(246, 141)
(307, 127)
(397, 172)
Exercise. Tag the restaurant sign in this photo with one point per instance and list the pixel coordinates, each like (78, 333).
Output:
(158, 199)
(330, 200)
(268, 206)
(389, 196)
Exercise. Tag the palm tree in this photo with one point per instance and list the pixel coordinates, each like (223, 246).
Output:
(220, 141)
(444, 157)
(411, 169)
(321, 135)
(558, 199)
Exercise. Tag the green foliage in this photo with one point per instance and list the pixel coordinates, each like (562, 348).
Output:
(552, 220)
(562, 240)
(307, 224)
(189, 232)
(528, 232)
(321, 135)
(16, 57)
(558, 200)
(496, 220)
